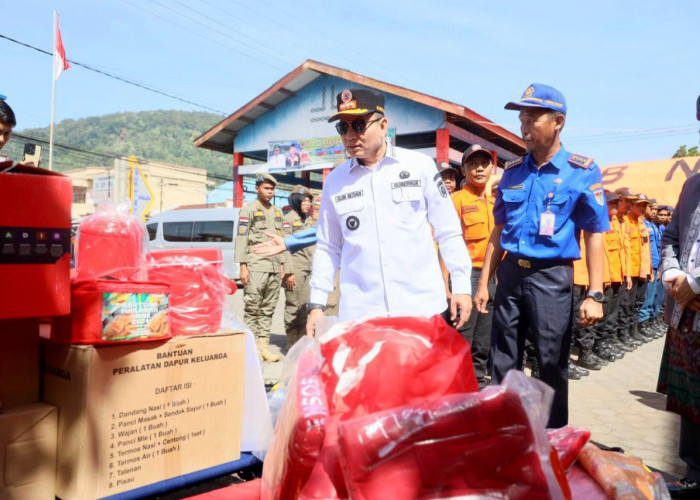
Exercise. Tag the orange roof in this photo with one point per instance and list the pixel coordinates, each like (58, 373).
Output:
(220, 136)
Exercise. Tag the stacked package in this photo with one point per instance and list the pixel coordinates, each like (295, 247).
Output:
(389, 408)
(405, 420)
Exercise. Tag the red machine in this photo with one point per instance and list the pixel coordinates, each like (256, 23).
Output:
(35, 226)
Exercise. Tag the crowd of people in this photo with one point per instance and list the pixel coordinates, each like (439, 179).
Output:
(556, 263)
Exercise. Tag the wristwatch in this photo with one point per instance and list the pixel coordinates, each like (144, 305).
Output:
(311, 306)
(597, 296)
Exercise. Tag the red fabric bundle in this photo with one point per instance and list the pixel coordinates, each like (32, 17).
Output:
(380, 364)
(299, 433)
(568, 442)
(462, 444)
(383, 363)
(110, 243)
(197, 287)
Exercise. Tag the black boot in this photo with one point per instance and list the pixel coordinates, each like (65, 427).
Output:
(604, 352)
(659, 327)
(615, 346)
(574, 374)
(626, 342)
(645, 330)
(586, 359)
(634, 334)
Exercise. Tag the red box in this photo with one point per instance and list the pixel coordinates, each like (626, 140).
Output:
(35, 227)
(108, 312)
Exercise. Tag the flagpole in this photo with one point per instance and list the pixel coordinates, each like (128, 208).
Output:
(53, 94)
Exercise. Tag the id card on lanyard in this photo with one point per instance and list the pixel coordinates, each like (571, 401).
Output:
(547, 219)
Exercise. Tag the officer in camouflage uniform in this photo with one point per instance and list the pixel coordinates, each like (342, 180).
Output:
(298, 265)
(261, 276)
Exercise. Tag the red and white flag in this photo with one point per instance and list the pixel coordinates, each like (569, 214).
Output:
(60, 63)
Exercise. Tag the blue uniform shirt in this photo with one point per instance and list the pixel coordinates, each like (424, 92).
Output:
(654, 243)
(569, 186)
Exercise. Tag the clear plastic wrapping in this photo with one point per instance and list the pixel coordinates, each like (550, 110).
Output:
(568, 442)
(198, 287)
(487, 444)
(622, 476)
(383, 363)
(110, 243)
(379, 364)
(299, 431)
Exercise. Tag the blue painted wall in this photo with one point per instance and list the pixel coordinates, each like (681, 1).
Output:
(306, 116)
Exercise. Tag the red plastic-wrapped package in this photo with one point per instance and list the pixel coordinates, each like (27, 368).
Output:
(568, 441)
(110, 243)
(383, 363)
(484, 444)
(299, 433)
(380, 364)
(326, 480)
(105, 312)
(198, 287)
(620, 475)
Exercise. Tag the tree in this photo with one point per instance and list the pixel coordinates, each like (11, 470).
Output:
(684, 151)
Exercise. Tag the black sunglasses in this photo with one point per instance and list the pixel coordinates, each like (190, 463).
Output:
(358, 125)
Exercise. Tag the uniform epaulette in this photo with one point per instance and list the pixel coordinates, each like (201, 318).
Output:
(513, 163)
(580, 161)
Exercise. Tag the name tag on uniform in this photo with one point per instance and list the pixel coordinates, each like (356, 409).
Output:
(547, 224)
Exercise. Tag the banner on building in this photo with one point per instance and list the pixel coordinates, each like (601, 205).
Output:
(308, 154)
(661, 179)
(304, 153)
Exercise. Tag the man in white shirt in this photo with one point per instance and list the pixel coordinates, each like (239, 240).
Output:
(375, 222)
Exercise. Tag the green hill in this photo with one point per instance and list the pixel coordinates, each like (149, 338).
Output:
(165, 136)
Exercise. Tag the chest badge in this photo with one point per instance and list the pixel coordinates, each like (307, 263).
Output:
(352, 223)
(557, 180)
(404, 174)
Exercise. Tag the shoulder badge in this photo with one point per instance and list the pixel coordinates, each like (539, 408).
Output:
(580, 161)
(513, 163)
(285, 224)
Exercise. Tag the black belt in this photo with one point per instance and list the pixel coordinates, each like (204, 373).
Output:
(530, 263)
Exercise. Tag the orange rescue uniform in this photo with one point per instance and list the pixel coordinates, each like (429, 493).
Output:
(476, 216)
(645, 269)
(634, 237)
(615, 258)
(580, 267)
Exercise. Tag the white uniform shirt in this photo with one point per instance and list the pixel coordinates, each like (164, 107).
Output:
(374, 225)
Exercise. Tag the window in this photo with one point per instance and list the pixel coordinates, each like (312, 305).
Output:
(213, 231)
(177, 231)
(79, 194)
(152, 230)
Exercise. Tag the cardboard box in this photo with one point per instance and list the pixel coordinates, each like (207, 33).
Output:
(133, 415)
(35, 231)
(28, 452)
(19, 362)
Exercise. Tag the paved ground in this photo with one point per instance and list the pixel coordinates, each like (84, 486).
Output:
(618, 404)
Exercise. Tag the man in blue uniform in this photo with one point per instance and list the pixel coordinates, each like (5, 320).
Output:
(647, 314)
(544, 201)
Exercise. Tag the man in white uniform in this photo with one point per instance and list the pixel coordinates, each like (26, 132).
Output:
(377, 210)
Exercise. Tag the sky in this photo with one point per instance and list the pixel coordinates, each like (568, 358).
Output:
(628, 69)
